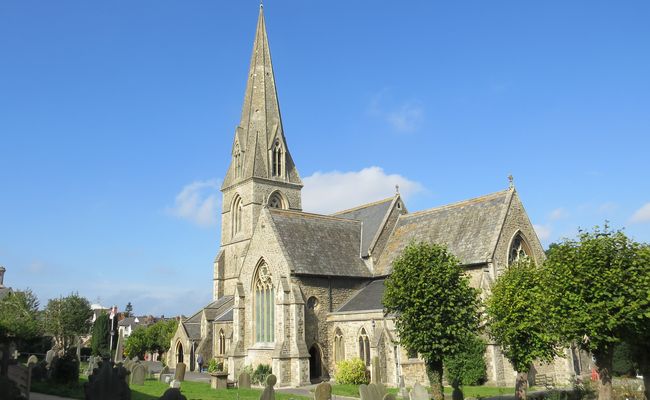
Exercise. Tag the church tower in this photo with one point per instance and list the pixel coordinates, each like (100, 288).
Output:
(261, 172)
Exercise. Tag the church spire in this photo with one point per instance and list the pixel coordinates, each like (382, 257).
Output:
(260, 149)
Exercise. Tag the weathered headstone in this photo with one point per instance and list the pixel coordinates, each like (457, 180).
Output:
(419, 393)
(364, 393)
(389, 396)
(175, 384)
(164, 371)
(269, 392)
(403, 393)
(138, 374)
(374, 391)
(32, 360)
(107, 382)
(381, 388)
(244, 381)
(172, 394)
(49, 356)
(179, 374)
(92, 364)
(323, 391)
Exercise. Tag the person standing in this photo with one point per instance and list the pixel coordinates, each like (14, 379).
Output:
(199, 360)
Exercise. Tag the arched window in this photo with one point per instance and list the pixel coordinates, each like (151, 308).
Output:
(276, 158)
(222, 342)
(237, 160)
(236, 215)
(264, 305)
(339, 346)
(364, 347)
(275, 200)
(519, 249)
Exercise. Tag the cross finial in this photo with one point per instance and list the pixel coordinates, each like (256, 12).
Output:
(261, 3)
(511, 182)
(396, 189)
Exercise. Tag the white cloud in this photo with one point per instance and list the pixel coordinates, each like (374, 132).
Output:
(642, 214)
(327, 192)
(405, 119)
(543, 232)
(198, 203)
(558, 213)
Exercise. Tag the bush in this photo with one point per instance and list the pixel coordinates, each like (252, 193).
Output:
(623, 363)
(215, 366)
(260, 374)
(352, 372)
(65, 370)
(468, 366)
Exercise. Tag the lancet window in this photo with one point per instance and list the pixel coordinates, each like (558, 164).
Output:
(222, 342)
(264, 305)
(364, 347)
(236, 215)
(276, 158)
(339, 346)
(519, 249)
(237, 161)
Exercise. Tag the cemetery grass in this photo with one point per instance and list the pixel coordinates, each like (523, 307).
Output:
(468, 391)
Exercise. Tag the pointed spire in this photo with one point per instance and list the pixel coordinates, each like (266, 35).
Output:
(260, 127)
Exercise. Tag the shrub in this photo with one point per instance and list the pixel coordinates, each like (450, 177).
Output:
(65, 370)
(215, 366)
(468, 366)
(352, 372)
(260, 374)
(622, 362)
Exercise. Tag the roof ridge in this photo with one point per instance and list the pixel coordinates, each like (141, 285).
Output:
(374, 203)
(458, 203)
(313, 215)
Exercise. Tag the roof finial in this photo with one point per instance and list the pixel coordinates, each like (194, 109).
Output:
(511, 182)
(261, 3)
(396, 189)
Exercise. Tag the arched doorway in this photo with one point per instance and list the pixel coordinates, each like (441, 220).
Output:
(315, 364)
(179, 352)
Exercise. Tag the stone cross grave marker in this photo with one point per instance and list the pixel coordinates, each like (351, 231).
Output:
(269, 392)
(244, 381)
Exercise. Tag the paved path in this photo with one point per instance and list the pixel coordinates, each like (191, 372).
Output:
(41, 396)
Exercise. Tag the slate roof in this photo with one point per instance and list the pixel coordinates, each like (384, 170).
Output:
(371, 216)
(216, 310)
(320, 245)
(129, 321)
(218, 307)
(225, 317)
(366, 299)
(193, 330)
(469, 229)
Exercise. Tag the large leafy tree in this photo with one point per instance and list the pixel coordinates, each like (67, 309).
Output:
(67, 318)
(435, 308)
(101, 335)
(19, 316)
(518, 320)
(600, 292)
(154, 338)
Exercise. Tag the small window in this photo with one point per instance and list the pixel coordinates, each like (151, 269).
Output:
(275, 201)
(339, 346)
(236, 215)
(412, 354)
(237, 160)
(364, 347)
(519, 249)
(276, 158)
(312, 303)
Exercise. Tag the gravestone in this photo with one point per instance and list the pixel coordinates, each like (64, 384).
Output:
(244, 381)
(138, 374)
(419, 393)
(364, 393)
(172, 394)
(49, 356)
(179, 374)
(175, 384)
(32, 360)
(375, 392)
(163, 372)
(375, 371)
(381, 388)
(269, 392)
(389, 396)
(92, 364)
(403, 393)
(456, 393)
(108, 382)
(323, 391)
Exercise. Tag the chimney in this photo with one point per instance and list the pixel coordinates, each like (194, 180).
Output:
(2, 276)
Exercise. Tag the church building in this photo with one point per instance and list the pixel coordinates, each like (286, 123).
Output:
(301, 291)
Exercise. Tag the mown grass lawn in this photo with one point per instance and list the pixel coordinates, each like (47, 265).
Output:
(152, 389)
(468, 391)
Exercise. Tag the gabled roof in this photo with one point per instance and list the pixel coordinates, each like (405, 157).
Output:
(193, 330)
(318, 244)
(371, 216)
(218, 307)
(213, 311)
(470, 229)
(368, 298)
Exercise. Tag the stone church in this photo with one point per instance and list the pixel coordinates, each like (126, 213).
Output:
(302, 291)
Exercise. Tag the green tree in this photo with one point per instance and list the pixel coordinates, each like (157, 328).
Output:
(67, 318)
(128, 310)
(19, 316)
(137, 343)
(155, 338)
(101, 335)
(435, 308)
(467, 367)
(518, 320)
(600, 292)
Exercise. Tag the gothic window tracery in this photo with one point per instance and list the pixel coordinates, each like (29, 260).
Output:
(237, 160)
(364, 347)
(276, 158)
(275, 201)
(519, 249)
(264, 305)
(236, 215)
(339, 346)
(222, 342)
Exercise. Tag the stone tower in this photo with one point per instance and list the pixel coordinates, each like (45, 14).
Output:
(261, 172)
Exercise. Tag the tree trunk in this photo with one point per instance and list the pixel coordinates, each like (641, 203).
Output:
(434, 370)
(521, 384)
(604, 365)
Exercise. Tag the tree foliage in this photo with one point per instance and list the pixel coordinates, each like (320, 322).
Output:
(128, 310)
(518, 319)
(101, 335)
(19, 316)
(435, 308)
(154, 338)
(67, 318)
(600, 292)
(468, 366)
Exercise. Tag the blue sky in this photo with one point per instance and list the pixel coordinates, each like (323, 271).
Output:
(116, 121)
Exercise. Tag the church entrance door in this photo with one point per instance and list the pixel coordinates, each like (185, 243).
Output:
(315, 364)
(179, 352)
